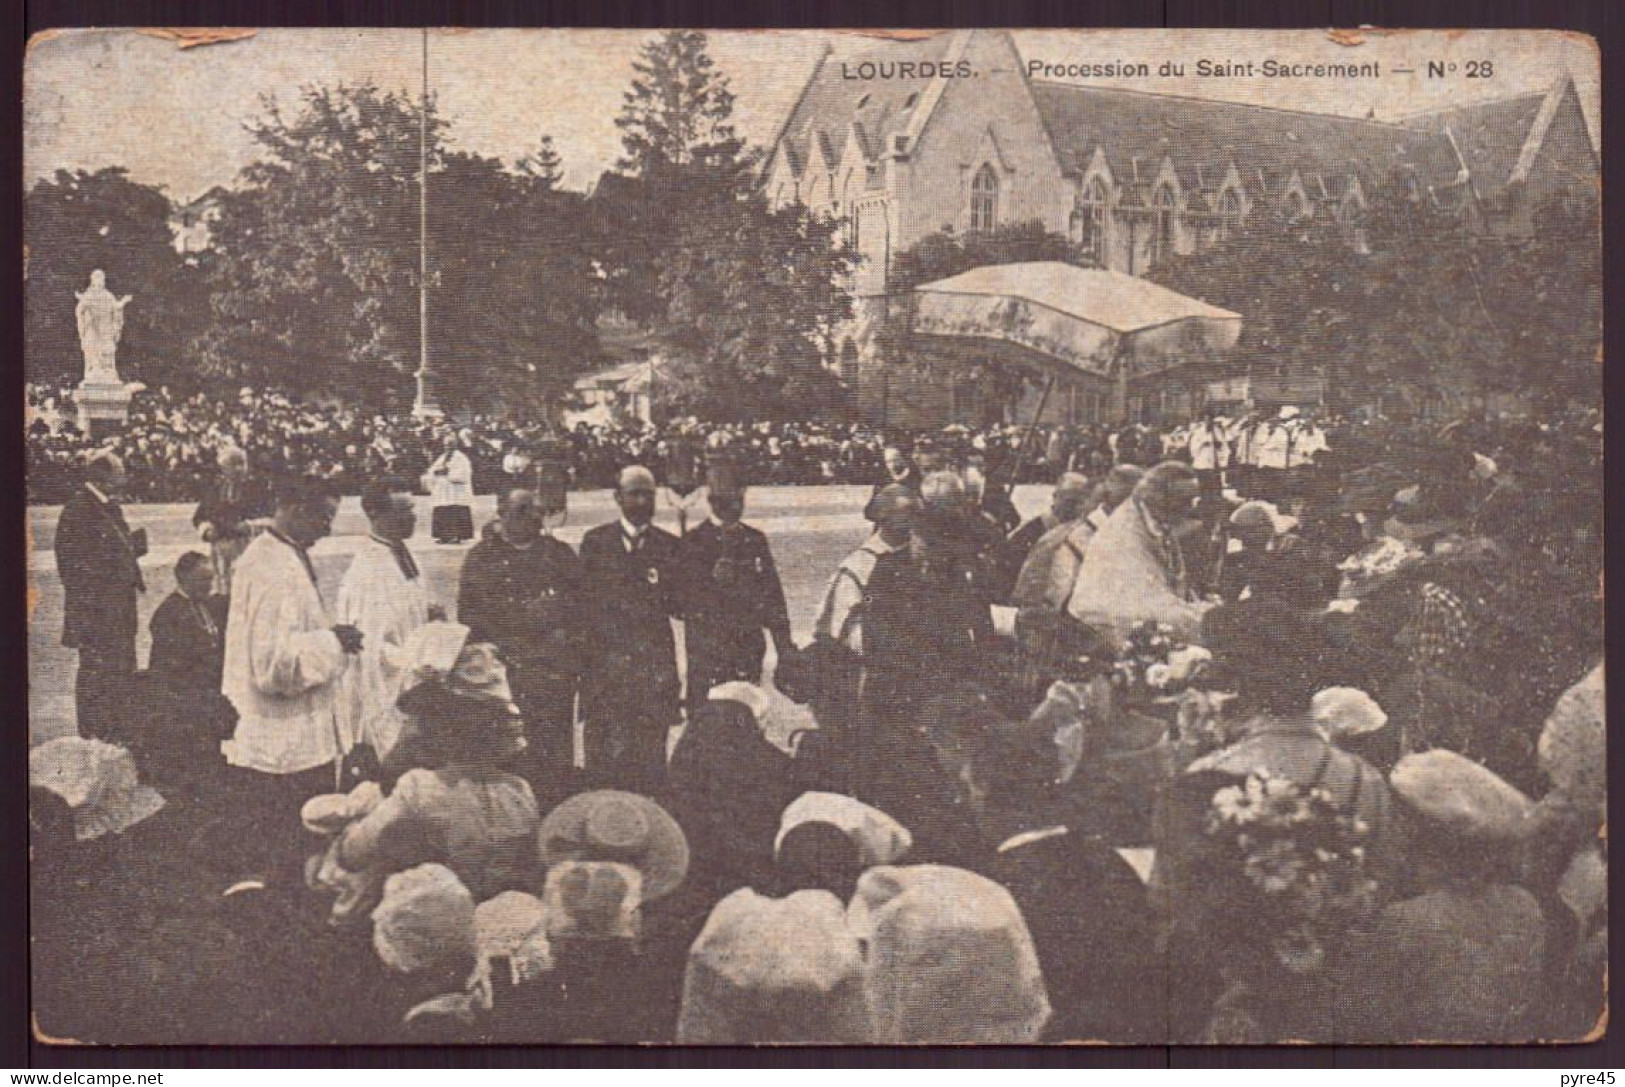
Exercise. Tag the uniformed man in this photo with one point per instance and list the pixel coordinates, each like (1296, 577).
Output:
(521, 591)
(732, 591)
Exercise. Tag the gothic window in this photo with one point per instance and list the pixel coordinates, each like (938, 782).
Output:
(1351, 215)
(1089, 217)
(984, 201)
(1162, 222)
(1229, 213)
(1297, 206)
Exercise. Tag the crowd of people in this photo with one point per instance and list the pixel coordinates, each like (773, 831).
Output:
(1267, 729)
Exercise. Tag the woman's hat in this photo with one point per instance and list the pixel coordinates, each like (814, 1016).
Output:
(950, 958)
(97, 780)
(425, 921)
(610, 825)
(775, 970)
(593, 900)
(880, 838)
(1457, 795)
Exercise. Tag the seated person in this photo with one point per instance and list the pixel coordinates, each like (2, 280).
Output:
(459, 806)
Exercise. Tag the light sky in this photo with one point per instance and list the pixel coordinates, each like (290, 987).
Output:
(174, 117)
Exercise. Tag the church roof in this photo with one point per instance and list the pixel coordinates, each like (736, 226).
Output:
(1135, 125)
(880, 107)
(1491, 135)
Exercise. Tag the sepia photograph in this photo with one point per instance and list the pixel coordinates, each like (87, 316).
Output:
(808, 537)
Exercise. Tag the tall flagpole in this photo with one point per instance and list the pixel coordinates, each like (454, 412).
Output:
(426, 405)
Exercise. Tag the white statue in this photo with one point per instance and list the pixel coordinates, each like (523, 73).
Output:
(101, 322)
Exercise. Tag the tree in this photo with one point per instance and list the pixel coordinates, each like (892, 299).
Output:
(316, 263)
(943, 254)
(1428, 308)
(544, 164)
(76, 222)
(742, 298)
(677, 111)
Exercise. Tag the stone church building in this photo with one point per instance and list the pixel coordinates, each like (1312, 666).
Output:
(1129, 177)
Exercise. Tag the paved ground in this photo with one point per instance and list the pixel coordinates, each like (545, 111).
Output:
(810, 528)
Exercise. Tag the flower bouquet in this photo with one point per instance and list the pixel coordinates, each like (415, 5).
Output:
(1301, 863)
(1375, 566)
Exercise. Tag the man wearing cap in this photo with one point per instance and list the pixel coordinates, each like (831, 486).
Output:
(632, 573)
(521, 590)
(98, 558)
(284, 659)
(383, 595)
(1134, 569)
(1462, 960)
(732, 592)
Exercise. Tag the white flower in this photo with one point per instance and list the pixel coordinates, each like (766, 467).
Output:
(1158, 676)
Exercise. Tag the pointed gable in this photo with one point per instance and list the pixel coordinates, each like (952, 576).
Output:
(833, 109)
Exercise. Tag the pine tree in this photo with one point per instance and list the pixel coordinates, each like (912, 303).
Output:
(545, 165)
(677, 111)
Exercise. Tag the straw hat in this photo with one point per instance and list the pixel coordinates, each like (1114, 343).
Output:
(97, 780)
(784, 970)
(610, 825)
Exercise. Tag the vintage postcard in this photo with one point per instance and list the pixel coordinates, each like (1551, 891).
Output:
(815, 537)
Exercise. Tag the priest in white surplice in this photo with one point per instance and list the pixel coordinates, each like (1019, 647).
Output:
(284, 660)
(384, 597)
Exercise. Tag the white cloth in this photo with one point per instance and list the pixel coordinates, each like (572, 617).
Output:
(880, 838)
(840, 618)
(950, 959)
(451, 479)
(775, 970)
(282, 664)
(377, 599)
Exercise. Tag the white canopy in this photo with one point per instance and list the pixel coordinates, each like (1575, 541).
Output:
(1083, 317)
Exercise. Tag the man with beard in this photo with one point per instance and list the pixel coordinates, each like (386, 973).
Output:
(521, 591)
(733, 593)
(631, 573)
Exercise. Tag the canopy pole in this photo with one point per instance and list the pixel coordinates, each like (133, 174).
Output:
(1027, 438)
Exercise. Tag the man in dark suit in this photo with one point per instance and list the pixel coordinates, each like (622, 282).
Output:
(98, 559)
(631, 576)
(187, 716)
(733, 594)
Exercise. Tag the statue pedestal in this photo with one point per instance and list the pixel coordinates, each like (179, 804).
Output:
(104, 407)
